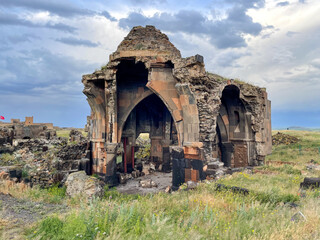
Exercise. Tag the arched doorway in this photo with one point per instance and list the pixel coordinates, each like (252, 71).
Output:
(152, 117)
(141, 110)
(234, 134)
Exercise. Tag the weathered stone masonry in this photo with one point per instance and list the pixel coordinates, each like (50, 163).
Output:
(16, 129)
(199, 123)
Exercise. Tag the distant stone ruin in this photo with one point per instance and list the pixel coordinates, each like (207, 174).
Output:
(16, 129)
(199, 124)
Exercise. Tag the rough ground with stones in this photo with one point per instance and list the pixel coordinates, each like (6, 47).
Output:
(42, 161)
(15, 214)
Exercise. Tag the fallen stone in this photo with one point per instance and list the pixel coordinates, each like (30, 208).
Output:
(147, 183)
(135, 174)
(291, 205)
(215, 165)
(211, 171)
(122, 178)
(205, 167)
(79, 183)
(192, 185)
(15, 180)
(4, 175)
(15, 173)
(222, 187)
(168, 189)
(152, 166)
(220, 173)
(146, 169)
(313, 167)
(310, 183)
(313, 161)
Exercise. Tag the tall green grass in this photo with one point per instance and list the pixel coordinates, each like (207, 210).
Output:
(205, 213)
(200, 214)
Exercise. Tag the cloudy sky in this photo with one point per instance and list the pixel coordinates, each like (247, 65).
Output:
(46, 46)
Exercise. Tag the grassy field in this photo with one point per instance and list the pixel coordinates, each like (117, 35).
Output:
(65, 132)
(204, 213)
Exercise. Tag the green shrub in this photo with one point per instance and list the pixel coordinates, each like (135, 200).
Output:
(53, 194)
(57, 191)
(25, 173)
(113, 195)
(290, 170)
(50, 228)
(275, 198)
(144, 152)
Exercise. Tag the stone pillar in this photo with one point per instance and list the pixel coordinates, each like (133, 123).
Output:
(194, 157)
(191, 130)
(111, 111)
(111, 164)
(178, 166)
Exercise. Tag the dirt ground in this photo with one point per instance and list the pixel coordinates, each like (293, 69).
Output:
(16, 213)
(132, 186)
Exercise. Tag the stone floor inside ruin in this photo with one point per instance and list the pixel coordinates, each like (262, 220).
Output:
(163, 180)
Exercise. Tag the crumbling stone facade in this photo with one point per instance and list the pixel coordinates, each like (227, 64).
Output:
(198, 123)
(16, 129)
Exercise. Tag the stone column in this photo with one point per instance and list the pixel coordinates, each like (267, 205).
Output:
(111, 164)
(178, 166)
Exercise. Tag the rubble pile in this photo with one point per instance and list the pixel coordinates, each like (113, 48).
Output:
(281, 138)
(74, 151)
(147, 183)
(44, 161)
(39, 144)
(48, 134)
(76, 136)
(6, 135)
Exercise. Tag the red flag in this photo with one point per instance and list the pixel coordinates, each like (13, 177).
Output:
(2, 117)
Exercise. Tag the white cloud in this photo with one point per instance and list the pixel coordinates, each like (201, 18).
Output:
(287, 66)
(41, 17)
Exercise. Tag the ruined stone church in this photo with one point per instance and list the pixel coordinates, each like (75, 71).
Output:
(199, 124)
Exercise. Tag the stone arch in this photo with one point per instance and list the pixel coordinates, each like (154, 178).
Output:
(233, 129)
(176, 114)
(134, 87)
(222, 130)
(180, 101)
(128, 110)
(142, 89)
(95, 98)
(150, 115)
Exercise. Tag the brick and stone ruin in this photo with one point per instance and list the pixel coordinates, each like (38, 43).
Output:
(199, 124)
(32, 153)
(16, 129)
